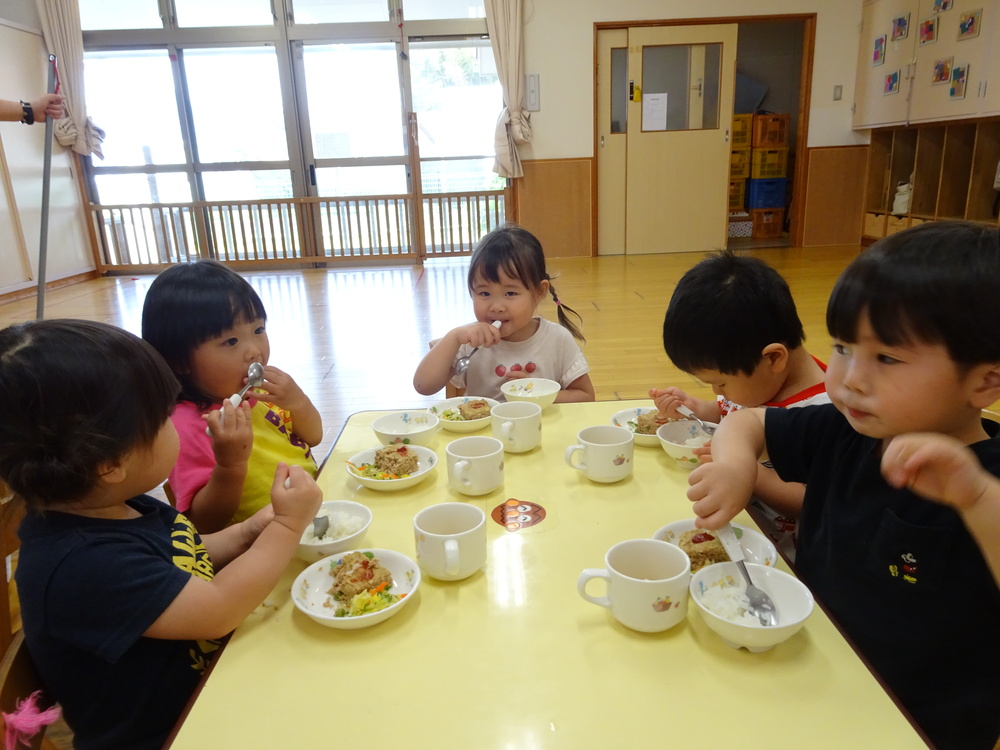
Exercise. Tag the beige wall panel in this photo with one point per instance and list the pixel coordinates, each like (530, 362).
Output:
(834, 196)
(554, 202)
(24, 60)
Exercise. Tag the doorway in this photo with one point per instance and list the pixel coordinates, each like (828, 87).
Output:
(774, 53)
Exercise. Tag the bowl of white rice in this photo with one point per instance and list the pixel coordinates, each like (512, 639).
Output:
(718, 592)
(348, 523)
(680, 438)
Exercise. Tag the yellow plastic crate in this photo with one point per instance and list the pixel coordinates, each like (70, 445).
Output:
(739, 163)
(767, 163)
(737, 194)
(741, 131)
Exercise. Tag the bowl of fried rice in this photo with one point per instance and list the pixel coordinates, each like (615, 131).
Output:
(337, 591)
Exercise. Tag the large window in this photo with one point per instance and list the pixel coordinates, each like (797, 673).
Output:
(237, 100)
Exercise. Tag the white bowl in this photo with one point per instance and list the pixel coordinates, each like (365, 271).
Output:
(793, 603)
(309, 592)
(757, 548)
(673, 437)
(460, 425)
(414, 427)
(426, 463)
(627, 418)
(312, 549)
(540, 391)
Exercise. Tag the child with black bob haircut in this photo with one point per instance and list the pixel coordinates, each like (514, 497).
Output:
(210, 325)
(732, 324)
(122, 602)
(899, 534)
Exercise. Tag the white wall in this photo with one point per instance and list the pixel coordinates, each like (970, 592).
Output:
(559, 46)
(24, 60)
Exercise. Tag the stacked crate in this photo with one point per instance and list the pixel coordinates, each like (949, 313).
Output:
(739, 171)
(768, 175)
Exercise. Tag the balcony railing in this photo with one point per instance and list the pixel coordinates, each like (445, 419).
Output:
(295, 231)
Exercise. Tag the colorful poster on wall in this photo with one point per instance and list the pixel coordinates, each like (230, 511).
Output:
(878, 53)
(891, 85)
(943, 5)
(928, 31)
(968, 24)
(942, 70)
(900, 27)
(959, 79)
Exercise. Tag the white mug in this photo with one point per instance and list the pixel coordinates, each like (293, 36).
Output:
(518, 425)
(607, 453)
(451, 540)
(475, 464)
(646, 583)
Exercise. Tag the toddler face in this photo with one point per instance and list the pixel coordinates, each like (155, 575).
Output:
(890, 390)
(507, 300)
(219, 365)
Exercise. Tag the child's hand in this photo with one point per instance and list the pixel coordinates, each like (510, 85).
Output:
(477, 334)
(937, 467)
(232, 433)
(719, 491)
(281, 389)
(296, 505)
(704, 453)
(667, 400)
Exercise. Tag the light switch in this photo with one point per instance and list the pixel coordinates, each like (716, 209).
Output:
(838, 93)
(532, 99)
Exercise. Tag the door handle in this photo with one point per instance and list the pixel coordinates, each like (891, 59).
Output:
(631, 91)
(602, 141)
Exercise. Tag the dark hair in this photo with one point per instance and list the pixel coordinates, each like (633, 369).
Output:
(935, 283)
(76, 394)
(518, 253)
(188, 304)
(725, 310)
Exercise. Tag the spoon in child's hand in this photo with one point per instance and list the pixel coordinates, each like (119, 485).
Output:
(255, 379)
(463, 362)
(708, 428)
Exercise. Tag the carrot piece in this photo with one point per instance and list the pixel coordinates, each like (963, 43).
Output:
(379, 588)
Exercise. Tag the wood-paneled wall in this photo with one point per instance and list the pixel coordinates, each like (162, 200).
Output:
(834, 195)
(554, 201)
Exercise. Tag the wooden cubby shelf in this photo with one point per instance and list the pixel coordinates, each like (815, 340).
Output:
(952, 166)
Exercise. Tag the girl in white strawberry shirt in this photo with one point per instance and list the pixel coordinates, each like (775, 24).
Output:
(508, 280)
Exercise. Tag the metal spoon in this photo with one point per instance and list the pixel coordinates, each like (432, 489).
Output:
(463, 362)
(321, 524)
(760, 604)
(708, 427)
(255, 379)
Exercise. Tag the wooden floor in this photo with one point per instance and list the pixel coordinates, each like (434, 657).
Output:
(352, 338)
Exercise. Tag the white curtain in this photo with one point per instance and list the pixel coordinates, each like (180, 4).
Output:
(503, 21)
(64, 39)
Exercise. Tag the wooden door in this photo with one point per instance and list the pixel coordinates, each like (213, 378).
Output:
(679, 117)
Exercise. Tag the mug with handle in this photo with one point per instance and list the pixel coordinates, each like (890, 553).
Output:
(646, 584)
(451, 540)
(606, 453)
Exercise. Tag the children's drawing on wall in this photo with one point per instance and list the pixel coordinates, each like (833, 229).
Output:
(878, 54)
(928, 31)
(891, 83)
(943, 5)
(959, 79)
(968, 24)
(942, 70)
(900, 27)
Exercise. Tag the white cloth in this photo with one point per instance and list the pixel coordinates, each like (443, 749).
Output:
(551, 353)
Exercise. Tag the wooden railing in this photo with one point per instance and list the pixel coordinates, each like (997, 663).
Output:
(294, 231)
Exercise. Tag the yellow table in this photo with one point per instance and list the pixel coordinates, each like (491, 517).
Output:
(512, 657)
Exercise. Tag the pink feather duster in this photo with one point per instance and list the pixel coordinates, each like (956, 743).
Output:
(26, 721)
